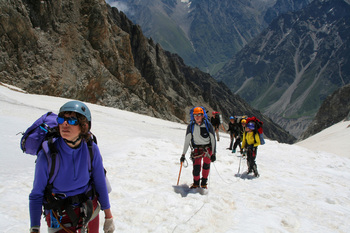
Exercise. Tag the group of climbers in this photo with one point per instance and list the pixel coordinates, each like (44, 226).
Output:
(70, 186)
(202, 134)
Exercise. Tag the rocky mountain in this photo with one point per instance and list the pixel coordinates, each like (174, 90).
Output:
(205, 33)
(334, 109)
(293, 65)
(89, 51)
(284, 6)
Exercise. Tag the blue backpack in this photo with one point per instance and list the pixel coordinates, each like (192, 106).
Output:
(42, 135)
(35, 135)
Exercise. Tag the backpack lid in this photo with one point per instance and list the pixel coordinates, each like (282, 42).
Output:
(41, 129)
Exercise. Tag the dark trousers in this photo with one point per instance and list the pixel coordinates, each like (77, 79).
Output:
(251, 156)
(197, 165)
(232, 139)
(237, 143)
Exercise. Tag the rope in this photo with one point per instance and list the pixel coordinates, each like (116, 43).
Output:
(197, 210)
(209, 181)
(231, 182)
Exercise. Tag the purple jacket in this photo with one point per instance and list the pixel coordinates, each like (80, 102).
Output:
(72, 178)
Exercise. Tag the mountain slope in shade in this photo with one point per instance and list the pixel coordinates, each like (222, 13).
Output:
(294, 64)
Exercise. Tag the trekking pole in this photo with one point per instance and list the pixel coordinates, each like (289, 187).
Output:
(239, 166)
(178, 179)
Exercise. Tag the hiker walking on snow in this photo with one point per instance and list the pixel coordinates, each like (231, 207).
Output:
(215, 121)
(233, 130)
(76, 186)
(240, 130)
(250, 143)
(200, 136)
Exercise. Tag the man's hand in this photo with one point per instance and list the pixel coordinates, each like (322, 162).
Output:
(182, 159)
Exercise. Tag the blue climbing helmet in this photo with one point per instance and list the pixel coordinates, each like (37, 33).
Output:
(232, 117)
(251, 125)
(78, 107)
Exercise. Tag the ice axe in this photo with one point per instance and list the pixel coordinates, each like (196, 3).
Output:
(178, 179)
(186, 164)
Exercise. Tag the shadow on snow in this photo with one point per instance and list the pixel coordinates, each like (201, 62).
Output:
(184, 190)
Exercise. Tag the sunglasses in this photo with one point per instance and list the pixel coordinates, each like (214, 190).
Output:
(70, 120)
(199, 114)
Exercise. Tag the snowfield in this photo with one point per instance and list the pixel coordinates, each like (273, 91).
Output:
(301, 188)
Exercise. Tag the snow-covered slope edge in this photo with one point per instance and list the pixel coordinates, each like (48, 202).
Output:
(334, 139)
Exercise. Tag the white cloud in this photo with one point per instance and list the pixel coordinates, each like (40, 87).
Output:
(121, 6)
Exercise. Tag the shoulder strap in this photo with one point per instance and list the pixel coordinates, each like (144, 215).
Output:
(206, 122)
(52, 158)
(254, 136)
(90, 143)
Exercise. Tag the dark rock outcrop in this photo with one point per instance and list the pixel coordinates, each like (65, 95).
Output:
(85, 50)
(334, 109)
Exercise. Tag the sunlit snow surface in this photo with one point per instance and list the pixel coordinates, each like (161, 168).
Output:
(299, 189)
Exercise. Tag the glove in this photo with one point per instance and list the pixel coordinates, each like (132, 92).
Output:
(35, 229)
(213, 158)
(182, 159)
(108, 226)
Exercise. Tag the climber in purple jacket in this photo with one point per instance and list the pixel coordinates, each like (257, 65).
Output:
(79, 189)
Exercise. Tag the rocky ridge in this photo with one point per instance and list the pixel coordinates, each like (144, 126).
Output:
(334, 109)
(86, 50)
(289, 70)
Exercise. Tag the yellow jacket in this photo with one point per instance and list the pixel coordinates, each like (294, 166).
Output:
(248, 139)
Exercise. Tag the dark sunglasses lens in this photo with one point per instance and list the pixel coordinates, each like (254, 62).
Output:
(60, 120)
(70, 120)
(200, 114)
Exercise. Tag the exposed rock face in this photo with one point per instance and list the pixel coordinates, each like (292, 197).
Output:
(205, 33)
(85, 50)
(334, 109)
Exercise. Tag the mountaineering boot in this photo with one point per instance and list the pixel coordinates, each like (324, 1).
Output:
(248, 168)
(195, 184)
(204, 183)
(233, 151)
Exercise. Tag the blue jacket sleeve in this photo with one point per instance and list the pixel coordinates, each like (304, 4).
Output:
(36, 196)
(99, 179)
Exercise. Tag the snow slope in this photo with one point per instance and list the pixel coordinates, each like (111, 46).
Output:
(335, 139)
(299, 190)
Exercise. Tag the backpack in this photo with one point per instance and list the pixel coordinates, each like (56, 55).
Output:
(205, 119)
(38, 132)
(258, 128)
(41, 135)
